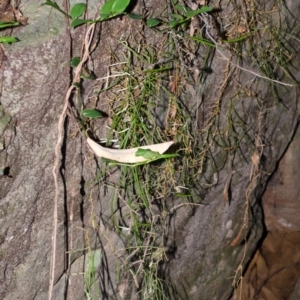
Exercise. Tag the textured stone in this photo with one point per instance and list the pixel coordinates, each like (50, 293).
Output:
(206, 246)
(281, 200)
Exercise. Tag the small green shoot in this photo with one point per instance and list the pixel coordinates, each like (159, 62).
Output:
(85, 74)
(76, 84)
(202, 41)
(186, 14)
(76, 11)
(54, 5)
(238, 39)
(91, 113)
(152, 22)
(75, 61)
(8, 24)
(8, 39)
(193, 13)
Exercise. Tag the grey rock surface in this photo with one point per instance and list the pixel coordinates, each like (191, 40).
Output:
(206, 246)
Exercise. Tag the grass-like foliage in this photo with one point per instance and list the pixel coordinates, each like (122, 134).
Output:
(145, 96)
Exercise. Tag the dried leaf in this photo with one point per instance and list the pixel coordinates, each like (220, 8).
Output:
(126, 155)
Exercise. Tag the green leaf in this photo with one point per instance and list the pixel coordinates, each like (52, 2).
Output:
(116, 163)
(52, 4)
(205, 9)
(8, 24)
(77, 10)
(91, 113)
(8, 39)
(85, 74)
(55, 6)
(177, 17)
(135, 16)
(193, 13)
(181, 8)
(75, 61)
(76, 84)
(104, 17)
(152, 22)
(147, 153)
(163, 69)
(106, 9)
(119, 6)
(112, 8)
(202, 41)
(175, 1)
(78, 22)
(174, 23)
(181, 195)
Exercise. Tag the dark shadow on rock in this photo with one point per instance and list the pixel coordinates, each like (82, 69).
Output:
(65, 201)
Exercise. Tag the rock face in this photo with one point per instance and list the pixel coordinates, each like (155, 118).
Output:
(239, 127)
(281, 199)
(274, 270)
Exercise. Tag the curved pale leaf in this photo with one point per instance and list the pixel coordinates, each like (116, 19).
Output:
(127, 155)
